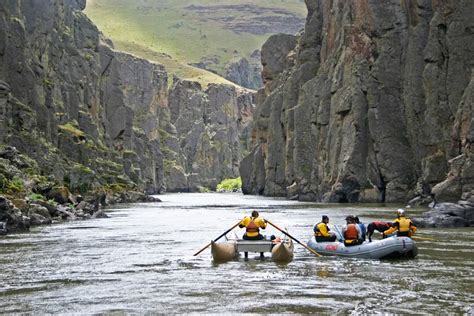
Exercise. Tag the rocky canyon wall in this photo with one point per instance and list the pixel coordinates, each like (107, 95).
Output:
(208, 134)
(373, 102)
(89, 116)
(74, 104)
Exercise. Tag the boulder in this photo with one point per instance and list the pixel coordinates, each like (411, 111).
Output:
(3, 228)
(37, 219)
(52, 208)
(39, 210)
(100, 214)
(9, 153)
(13, 217)
(66, 213)
(60, 194)
(447, 215)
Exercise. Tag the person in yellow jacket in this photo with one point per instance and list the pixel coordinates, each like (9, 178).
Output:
(252, 225)
(402, 225)
(322, 231)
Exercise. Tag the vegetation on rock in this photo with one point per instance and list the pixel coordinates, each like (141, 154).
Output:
(230, 185)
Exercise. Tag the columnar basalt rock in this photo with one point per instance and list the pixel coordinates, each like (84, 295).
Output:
(367, 104)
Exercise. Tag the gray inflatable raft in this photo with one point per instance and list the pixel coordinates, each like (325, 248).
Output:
(392, 247)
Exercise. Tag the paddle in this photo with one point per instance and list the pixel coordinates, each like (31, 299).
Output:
(225, 233)
(311, 250)
(341, 239)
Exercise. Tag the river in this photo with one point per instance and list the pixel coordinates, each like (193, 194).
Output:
(140, 260)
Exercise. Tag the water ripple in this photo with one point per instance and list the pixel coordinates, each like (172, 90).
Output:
(141, 261)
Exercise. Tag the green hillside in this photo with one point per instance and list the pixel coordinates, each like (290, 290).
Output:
(177, 33)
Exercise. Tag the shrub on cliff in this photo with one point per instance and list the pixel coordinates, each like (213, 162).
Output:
(230, 185)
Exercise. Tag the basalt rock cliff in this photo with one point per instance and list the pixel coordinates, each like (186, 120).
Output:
(72, 103)
(245, 72)
(206, 134)
(372, 102)
(78, 116)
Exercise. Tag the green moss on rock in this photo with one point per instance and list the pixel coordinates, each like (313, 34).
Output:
(72, 128)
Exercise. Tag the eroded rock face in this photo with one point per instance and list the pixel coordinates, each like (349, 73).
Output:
(211, 134)
(92, 117)
(245, 73)
(371, 103)
(86, 113)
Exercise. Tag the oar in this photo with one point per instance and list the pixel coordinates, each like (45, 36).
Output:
(421, 238)
(225, 233)
(311, 250)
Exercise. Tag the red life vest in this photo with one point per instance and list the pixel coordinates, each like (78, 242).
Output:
(351, 232)
(252, 227)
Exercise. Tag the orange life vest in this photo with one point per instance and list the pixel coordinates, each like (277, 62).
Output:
(252, 227)
(351, 232)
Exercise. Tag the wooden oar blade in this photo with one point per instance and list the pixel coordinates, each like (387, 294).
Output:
(223, 234)
(204, 248)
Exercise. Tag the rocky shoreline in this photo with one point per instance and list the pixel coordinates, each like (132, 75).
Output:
(449, 215)
(18, 215)
(28, 198)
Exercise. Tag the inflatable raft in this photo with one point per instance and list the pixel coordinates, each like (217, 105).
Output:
(281, 251)
(392, 247)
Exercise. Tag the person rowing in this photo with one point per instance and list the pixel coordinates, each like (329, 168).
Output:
(252, 225)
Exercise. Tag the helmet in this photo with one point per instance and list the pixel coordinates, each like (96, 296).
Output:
(400, 212)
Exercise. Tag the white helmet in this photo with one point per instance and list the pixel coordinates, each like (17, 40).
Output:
(400, 212)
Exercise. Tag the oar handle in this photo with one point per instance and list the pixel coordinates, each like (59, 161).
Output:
(339, 232)
(284, 232)
(223, 234)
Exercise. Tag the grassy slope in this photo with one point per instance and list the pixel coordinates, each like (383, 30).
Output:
(163, 31)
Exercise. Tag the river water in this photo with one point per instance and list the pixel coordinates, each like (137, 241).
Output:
(140, 260)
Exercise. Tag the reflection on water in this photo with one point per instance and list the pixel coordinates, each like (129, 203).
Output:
(140, 260)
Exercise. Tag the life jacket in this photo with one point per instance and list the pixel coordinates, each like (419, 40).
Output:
(321, 226)
(252, 227)
(351, 232)
(403, 224)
